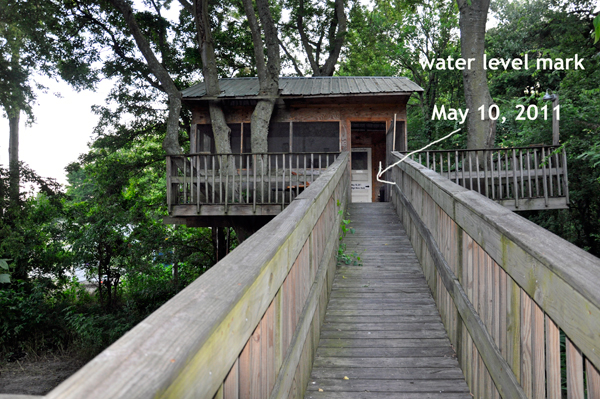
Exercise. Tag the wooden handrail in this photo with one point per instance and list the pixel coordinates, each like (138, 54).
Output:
(506, 289)
(249, 325)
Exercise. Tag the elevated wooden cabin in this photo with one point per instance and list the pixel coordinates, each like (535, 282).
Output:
(315, 118)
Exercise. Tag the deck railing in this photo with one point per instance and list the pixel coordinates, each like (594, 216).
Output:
(242, 179)
(521, 306)
(247, 328)
(520, 178)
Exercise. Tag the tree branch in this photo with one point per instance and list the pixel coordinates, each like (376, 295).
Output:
(292, 58)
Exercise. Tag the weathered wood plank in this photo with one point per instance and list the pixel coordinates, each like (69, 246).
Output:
(538, 352)
(526, 346)
(375, 362)
(553, 360)
(454, 386)
(593, 380)
(386, 373)
(231, 385)
(574, 371)
(388, 395)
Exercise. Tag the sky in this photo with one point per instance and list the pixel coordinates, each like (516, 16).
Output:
(61, 132)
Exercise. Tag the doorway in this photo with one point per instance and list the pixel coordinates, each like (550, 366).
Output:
(361, 175)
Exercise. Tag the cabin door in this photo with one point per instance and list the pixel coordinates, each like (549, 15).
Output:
(361, 175)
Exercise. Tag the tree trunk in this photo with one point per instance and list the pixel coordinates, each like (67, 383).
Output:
(473, 17)
(171, 141)
(268, 73)
(220, 129)
(13, 158)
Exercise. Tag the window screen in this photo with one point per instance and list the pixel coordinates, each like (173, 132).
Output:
(316, 137)
(236, 137)
(360, 160)
(205, 139)
(279, 137)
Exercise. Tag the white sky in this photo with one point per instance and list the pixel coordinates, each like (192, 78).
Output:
(62, 130)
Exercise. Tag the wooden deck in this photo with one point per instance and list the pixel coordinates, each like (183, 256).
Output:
(382, 329)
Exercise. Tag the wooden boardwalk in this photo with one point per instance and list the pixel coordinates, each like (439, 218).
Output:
(382, 329)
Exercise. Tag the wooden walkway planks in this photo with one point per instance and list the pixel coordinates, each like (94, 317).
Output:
(382, 329)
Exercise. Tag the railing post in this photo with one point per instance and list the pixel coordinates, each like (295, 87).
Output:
(169, 185)
(545, 185)
(514, 170)
(565, 176)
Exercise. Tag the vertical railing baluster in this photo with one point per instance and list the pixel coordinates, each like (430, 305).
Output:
(514, 170)
(456, 166)
(477, 171)
(470, 172)
(240, 199)
(283, 181)
(312, 167)
(227, 164)
(565, 175)
(276, 178)
(529, 191)
(169, 184)
(254, 165)
(558, 177)
(448, 162)
(269, 175)
(462, 168)
(290, 163)
(427, 156)
(441, 163)
(535, 168)
(485, 174)
(506, 169)
(521, 169)
(499, 175)
(212, 167)
(297, 174)
(492, 174)
(305, 180)
(185, 201)
(550, 173)
(545, 185)
(247, 178)
(262, 178)
(198, 182)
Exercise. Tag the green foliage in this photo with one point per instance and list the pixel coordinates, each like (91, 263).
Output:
(553, 29)
(344, 257)
(4, 277)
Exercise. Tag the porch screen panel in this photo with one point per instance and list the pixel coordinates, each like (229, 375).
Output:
(316, 137)
(236, 130)
(205, 141)
(279, 137)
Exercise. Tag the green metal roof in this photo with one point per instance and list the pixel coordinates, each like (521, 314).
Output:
(320, 86)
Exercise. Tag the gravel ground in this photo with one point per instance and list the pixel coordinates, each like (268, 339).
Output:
(37, 376)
